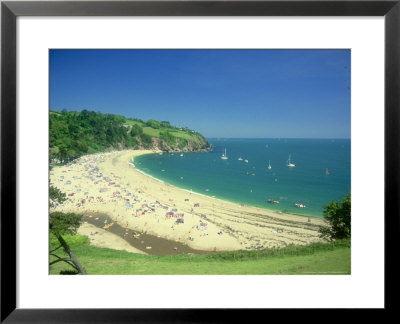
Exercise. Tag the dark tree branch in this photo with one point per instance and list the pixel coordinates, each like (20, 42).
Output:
(71, 255)
(55, 249)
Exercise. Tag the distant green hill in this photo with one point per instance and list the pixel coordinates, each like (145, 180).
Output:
(73, 134)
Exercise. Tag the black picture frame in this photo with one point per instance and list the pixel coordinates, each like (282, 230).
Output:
(10, 10)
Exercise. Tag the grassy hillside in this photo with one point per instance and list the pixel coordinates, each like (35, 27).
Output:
(164, 126)
(73, 134)
(172, 137)
(319, 258)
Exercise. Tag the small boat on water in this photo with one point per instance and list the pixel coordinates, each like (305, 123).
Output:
(326, 171)
(224, 157)
(246, 161)
(300, 205)
(269, 165)
(181, 154)
(271, 201)
(289, 163)
(240, 159)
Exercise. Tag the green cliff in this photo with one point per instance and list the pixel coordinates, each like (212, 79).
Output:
(73, 134)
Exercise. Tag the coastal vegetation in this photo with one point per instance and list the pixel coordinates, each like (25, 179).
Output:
(338, 217)
(73, 134)
(63, 224)
(317, 258)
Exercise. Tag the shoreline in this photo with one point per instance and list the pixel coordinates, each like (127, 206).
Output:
(222, 199)
(106, 183)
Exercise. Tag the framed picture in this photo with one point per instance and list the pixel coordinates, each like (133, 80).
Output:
(45, 44)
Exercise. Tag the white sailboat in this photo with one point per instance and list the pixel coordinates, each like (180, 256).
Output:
(224, 157)
(289, 163)
(269, 165)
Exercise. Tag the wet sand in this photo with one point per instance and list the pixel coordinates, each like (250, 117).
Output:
(102, 238)
(141, 240)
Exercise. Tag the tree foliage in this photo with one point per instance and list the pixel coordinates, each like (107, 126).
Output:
(76, 134)
(73, 134)
(153, 123)
(146, 140)
(60, 224)
(182, 143)
(56, 196)
(338, 216)
(165, 124)
(168, 138)
(136, 130)
(64, 223)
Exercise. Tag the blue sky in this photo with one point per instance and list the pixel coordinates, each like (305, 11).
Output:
(219, 93)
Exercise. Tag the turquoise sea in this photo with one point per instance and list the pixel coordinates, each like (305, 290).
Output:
(321, 172)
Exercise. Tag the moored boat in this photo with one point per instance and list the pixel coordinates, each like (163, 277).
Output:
(224, 157)
(300, 205)
(289, 163)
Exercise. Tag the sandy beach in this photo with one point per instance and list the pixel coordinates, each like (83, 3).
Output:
(107, 183)
(102, 238)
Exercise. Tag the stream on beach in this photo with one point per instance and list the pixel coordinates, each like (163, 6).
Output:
(159, 245)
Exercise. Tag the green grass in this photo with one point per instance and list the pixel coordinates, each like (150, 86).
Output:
(327, 258)
(72, 240)
(156, 132)
(133, 122)
(177, 133)
(182, 134)
(151, 131)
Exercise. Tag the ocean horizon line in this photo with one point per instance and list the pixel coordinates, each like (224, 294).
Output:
(277, 138)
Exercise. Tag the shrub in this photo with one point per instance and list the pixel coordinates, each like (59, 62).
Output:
(338, 215)
(168, 138)
(136, 130)
(146, 140)
(153, 123)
